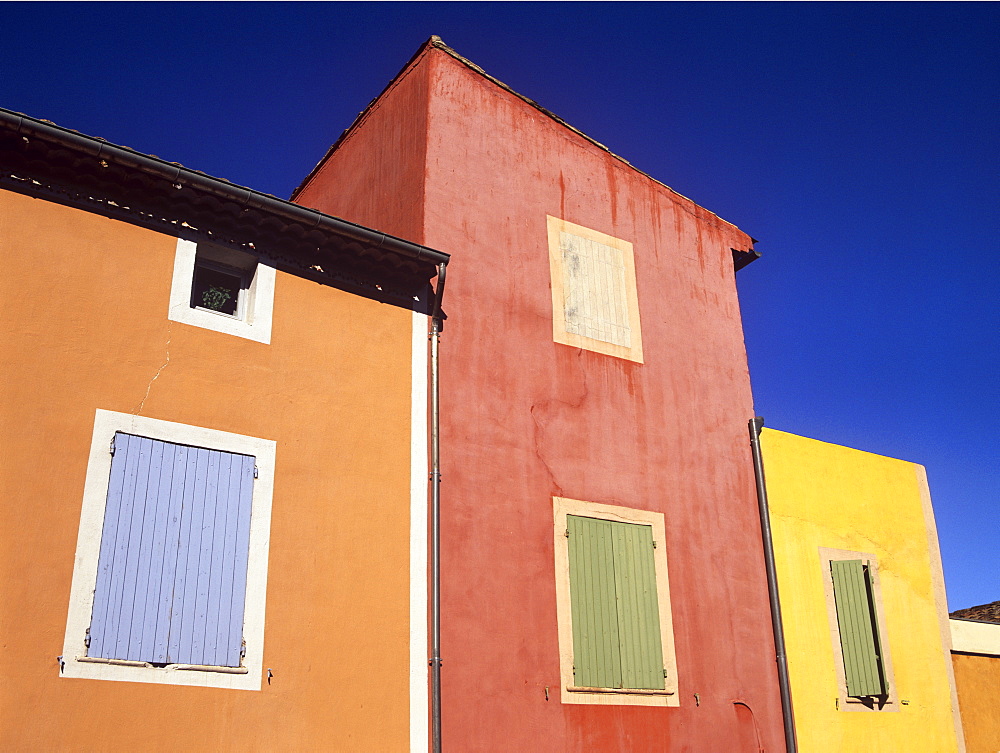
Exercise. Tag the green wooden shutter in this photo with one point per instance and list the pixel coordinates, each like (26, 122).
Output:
(596, 653)
(616, 619)
(859, 638)
(638, 610)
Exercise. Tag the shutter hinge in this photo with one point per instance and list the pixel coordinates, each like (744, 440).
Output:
(654, 543)
(255, 471)
(112, 448)
(567, 533)
(243, 650)
(86, 639)
(664, 672)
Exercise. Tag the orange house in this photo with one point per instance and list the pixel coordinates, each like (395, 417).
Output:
(975, 655)
(215, 489)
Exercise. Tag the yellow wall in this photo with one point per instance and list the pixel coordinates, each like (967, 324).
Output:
(84, 323)
(824, 495)
(977, 679)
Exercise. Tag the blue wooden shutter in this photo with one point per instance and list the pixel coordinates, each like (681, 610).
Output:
(172, 569)
(858, 623)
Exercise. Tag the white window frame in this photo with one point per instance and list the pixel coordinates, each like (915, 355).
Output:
(88, 548)
(256, 305)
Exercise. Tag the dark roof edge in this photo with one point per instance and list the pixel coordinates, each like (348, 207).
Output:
(181, 176)
(974, 619)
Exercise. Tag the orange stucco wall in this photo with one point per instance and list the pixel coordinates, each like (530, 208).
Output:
(84, 322)
(977, 679)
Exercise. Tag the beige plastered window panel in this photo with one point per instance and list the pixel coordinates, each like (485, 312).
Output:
(845, 702)
(594, 301)
(562, 507)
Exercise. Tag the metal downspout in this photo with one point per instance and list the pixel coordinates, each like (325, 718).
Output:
(435, 479)
(791, 745)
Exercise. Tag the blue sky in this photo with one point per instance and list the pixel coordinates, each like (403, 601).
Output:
(858, 142)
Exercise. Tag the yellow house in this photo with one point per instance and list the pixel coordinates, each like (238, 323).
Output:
(862, 599)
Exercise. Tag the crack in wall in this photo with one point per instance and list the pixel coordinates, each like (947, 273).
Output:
(540, 422)
(156, 376)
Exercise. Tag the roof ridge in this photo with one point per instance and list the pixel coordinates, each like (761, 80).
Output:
(436, 42)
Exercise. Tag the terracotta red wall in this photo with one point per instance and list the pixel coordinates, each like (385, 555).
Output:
(375, 177)
(525, 418)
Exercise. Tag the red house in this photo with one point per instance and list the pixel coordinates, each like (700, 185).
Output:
(602, 574)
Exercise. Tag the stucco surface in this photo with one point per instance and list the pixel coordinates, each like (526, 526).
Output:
(824, 495)
(527, 419)
(85, 326)
(978, 681)
(375, 176)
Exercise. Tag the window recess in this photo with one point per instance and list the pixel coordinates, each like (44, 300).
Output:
(862, 660)
(613, 604)
(170, 573)
(222, 289)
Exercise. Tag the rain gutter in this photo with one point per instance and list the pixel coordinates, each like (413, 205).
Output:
(182, 177)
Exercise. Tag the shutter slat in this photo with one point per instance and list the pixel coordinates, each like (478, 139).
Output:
(171, 539)
(148, 580)
(191, 549)
(624, 573)
(241, 525)
(127, 555)
(227, 562)
(215, 565)
(182, 608)
(144, 545)
(100, 621)
(204, 566)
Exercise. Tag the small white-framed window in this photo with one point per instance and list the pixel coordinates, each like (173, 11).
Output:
(223, 290)
(616, 644)
(170, 572)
